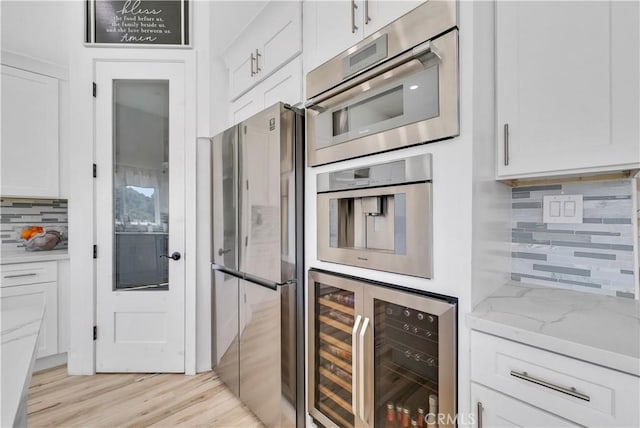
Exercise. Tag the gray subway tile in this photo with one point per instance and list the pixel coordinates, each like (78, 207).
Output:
(626, 272)
(581, 245)
(592, 232)
(515, 277)
(625, 295)
(531, 225)
(530, 256)
(521, 205)
(562, 269)
(584, 284)
(606, 198)
(616, 220)
(597, 220)
(520, 195)
(622, 247)
(595, 255)
(536, 188)
(22, 204)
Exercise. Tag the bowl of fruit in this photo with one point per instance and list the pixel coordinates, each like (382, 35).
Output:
(37, 238)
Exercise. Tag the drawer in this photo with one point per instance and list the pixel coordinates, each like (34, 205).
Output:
(493, 409)
(576, 390)
(28, 273)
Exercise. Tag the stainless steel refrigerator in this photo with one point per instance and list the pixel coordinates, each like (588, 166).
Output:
(257, 172)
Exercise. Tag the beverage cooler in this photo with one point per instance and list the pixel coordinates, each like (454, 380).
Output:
(379, 356)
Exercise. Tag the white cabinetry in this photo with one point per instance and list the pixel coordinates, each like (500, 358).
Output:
(29, 134)
(284, 85)
(567, 87)
(550, 385)
(24, 284)
(272, 39)
(494, 409)
(331, 27)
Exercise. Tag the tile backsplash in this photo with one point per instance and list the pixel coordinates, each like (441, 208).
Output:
(17, 213)
(595, 256)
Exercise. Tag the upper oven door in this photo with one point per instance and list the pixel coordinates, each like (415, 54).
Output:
(410, 99)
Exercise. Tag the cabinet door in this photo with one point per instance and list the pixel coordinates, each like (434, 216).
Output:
(383, 12)
(493, 409)
(334, 317)
(26, 295)
(284, 85)
(245, 106)
(270, 40)
(280, 35)
(566, 87)
(29, 134)
(329, 29)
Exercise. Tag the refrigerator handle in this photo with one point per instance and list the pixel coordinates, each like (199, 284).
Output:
(354, 365)
(361, 373)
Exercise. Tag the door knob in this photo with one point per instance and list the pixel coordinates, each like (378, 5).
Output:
(175, 256)
(221, 251)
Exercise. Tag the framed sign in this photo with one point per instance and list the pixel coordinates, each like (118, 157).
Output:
(137, 22)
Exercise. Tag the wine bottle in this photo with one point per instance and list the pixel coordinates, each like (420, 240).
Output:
(405, 417)
(391, 416)
(420, 417)
(432, 417)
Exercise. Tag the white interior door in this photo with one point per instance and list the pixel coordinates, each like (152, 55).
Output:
(139, 116)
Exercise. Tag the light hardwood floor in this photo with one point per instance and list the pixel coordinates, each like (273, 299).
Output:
(116, 400)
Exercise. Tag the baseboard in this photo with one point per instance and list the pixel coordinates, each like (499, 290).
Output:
(50, 361)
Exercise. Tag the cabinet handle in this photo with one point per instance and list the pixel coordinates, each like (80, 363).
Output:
(258, 69)
(506, 144)
(569, 391)
(366, 12)
(354, 365)
(479, 411)
(354, 6)
(253, 59)
(21, 275)
(361, 353)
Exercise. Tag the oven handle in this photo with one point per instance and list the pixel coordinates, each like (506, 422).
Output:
(426, 49)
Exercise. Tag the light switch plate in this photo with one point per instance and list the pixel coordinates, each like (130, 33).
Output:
(562, 209)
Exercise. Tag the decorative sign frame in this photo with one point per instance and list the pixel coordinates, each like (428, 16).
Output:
(148, 23)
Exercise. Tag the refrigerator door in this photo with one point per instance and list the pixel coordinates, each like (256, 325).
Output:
(226, 337)
(265, 358)
(225, 199)
(225, 253)
(266, 181)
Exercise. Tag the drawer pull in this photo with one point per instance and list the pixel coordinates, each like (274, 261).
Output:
(20, 275)
(569, 391)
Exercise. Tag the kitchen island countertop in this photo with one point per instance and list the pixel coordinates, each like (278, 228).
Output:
(598, 329)
(20, 328)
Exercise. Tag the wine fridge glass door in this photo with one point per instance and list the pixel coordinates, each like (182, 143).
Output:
(412, 372)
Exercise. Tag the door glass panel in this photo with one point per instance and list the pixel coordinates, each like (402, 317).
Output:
(406, 365)
(334, 316)
(378, 108)
(141, 184)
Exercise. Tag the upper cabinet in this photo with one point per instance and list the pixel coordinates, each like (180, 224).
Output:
(271, 40)
(567, 88)
(29, 134)
(331, 27)
(284, 85)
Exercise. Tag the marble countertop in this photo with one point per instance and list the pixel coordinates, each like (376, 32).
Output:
(23, 256)
(19, 336)
(599, 329)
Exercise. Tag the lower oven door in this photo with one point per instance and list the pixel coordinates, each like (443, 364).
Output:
(407, 100)
(383, 228)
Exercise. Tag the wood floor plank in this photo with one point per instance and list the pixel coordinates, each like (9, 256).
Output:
(134, 400)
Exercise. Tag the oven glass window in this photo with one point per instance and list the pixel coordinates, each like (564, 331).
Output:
(359, 116)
